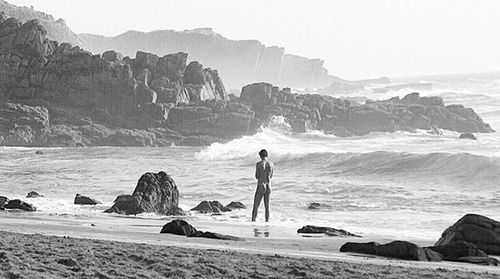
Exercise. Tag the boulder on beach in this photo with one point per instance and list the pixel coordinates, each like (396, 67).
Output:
(480, 260)
(326, 230)
(155, 193)
(179, 227)
(236, 205)
(33, 194)
(213, 235)
(397, 249)
(19, 204)
(38, 152)
(84, 200)
(468, 136)
(479, 230)
(210, 207)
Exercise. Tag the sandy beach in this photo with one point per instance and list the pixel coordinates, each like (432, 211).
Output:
(68, 247)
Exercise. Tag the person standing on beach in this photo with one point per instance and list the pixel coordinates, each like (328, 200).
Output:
(263, 174)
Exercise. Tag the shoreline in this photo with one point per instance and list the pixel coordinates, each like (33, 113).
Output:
(315, 253)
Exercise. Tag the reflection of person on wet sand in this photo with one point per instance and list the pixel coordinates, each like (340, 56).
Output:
(263, 174)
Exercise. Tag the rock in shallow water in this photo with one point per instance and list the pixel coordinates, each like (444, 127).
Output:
(84, 200)
(33, 194)
(18, 204)
(210, 207)
(318, 206)
(155, 193)
(468, 136)
(326, 230)
(235, 205)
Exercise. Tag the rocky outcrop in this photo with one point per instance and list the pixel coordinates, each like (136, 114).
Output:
(54, 94)
(481, 231)
(84, 200)
(397, 249)
(326, 230)
(213, 235)
(155, 192)
(19, 204)
(210, 207)
(238, 62)
(33, 194)
(344, 118)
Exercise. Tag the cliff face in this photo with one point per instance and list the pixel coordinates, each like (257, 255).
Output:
(239, 62)
(56, 29)
(55, 94)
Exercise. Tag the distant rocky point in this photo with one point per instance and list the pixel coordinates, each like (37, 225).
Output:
(54, 94)
(56, 29)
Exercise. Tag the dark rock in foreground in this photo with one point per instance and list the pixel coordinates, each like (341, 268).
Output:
(479, 230)
(210, 207)
(235, 205)
(397, 249)
(18, 204)
(362, 248)
(326, 230)
(84, 200)
(480, 260)
(155, 192)
(33, 194)
(468, 136)
(179, 227)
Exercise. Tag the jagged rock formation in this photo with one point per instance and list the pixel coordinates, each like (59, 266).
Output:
(57, 30)
(54, 94)
(345, 118)
(238, 62)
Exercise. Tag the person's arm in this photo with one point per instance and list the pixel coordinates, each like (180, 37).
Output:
(257, 171)
(271, 166)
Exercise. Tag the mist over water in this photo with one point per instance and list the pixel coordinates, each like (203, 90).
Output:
(399, 185)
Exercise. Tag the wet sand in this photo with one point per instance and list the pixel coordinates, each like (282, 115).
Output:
(67, 247)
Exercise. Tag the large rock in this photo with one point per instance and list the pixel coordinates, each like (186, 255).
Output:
(326, 230)
(213, 235)
(479, 230)
(361, 248)
(18, 204)
(179, 227)
(3, 201)
(155, 192)
(84, 200)
(210, 207)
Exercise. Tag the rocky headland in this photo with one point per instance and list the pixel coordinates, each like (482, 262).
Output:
(55, 94)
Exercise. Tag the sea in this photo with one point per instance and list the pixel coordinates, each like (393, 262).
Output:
(402, 185)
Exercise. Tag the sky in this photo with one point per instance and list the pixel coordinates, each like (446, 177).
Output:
(356, 38)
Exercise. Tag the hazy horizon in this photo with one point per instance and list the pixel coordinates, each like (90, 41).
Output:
(356, 39)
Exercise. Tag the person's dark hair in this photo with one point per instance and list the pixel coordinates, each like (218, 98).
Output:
(263, 153)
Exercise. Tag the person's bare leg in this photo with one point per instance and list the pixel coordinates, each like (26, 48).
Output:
(266, 203)
(256, 203)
